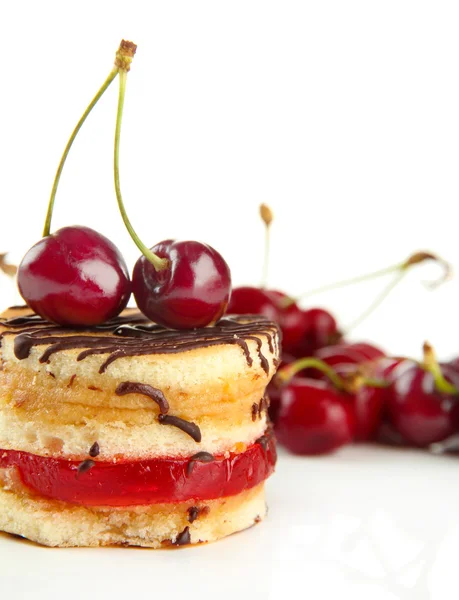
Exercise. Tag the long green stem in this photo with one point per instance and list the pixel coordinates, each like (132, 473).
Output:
(401, 268)
(352, 280)
(94, 101)
(379, 299)
(156, 261)
(430, 363)
(285, 374)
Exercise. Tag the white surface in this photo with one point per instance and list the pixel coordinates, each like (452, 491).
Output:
(366, 524)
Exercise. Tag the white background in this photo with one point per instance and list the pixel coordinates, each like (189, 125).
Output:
(342, 115)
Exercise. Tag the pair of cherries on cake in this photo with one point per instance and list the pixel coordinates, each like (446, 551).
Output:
(77, 277)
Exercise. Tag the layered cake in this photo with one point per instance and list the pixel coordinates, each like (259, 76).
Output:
(130, 433)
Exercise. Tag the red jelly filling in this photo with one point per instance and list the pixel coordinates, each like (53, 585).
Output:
(156, 480)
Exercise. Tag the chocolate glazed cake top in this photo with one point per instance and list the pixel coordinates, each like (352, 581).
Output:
(134, 335)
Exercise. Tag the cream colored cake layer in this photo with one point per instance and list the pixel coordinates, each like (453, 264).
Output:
(117, 439)
(53, 523)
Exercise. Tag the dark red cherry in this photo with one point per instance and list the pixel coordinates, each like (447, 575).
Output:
(344, 357)
(247, 300)
(291, 321)
(454, 363)
(314, 418)
(354, 354)
(252, 300)
(369, 403)
(192, 291)
(373, 420)
(421, 413)
(368, 351)
(320, 329)
(75, 277)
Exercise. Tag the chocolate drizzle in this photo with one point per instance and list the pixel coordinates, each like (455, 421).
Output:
(183, 537)
(204, 457)
(194, 512)
(94, 450)
(187, 427)
(133, 335)
(258, 408)
(129, 387)
(85, 466)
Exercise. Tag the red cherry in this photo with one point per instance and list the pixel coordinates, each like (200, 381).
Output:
(369, 405)
(369, 351)
(421, 413)
(373, 421)
(291, 321)
(252, 300)
(314, 418)
(192, 291)
(247, 300)
(371, 402)
(320, 329)
(344, 358)
(76, 276)
(353, 354)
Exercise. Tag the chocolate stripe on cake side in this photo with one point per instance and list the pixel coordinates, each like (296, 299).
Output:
(128, 387)
(187, 427)
(134, 336)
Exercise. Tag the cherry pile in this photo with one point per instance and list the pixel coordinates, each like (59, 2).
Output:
(77, 277)
(330, 392)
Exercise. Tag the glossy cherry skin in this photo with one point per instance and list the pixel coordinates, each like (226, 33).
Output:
(269, 303)
(193, 291)
(75, 276)
(344, 358)
(314, 418)
(248, 300)
(374, 408)
(420, 413)
(320, 329)
(371, 402)
(291, 321)
(354, 354)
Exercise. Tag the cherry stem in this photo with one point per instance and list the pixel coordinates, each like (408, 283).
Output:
(376, 302)
(399, 268)
(158, 263)
(430, 364)
(94, 101)
(267, 217)
(286, 374)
